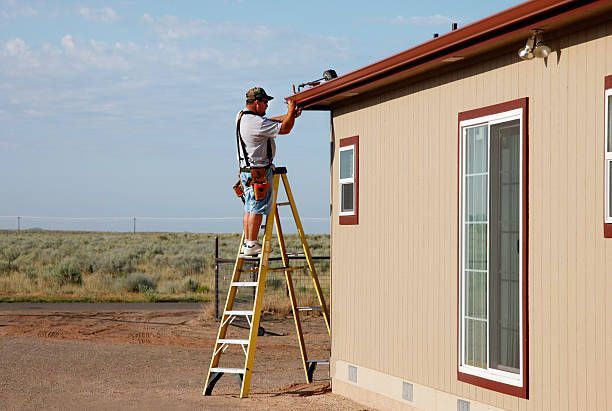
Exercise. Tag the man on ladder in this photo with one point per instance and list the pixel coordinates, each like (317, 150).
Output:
(255, 143)
(255, 135)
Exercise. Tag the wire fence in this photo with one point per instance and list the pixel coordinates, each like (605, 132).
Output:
(276, 296)
(142, 224)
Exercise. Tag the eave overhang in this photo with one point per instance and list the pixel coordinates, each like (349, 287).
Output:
(484, 36)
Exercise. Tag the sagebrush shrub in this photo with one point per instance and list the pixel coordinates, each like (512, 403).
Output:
(190, 285)
(66, 272)
(138, 283)
(116, 262)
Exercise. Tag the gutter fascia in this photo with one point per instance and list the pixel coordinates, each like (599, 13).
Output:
(470, 37)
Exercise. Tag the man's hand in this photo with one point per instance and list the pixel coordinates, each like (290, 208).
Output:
(291, 108)
(288, 119)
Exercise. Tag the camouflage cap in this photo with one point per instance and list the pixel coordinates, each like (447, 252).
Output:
(257, 93)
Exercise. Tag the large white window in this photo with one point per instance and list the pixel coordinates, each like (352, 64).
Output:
(347, 180)
(608, 158)
(491, 254)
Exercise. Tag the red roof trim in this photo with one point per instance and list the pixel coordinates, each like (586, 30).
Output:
(522, 17)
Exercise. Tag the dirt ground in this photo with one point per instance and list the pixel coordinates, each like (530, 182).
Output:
(149, 356)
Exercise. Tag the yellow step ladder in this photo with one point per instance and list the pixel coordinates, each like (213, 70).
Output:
(253, 316)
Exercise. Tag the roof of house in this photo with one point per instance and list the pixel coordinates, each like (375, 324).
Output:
(492, 33)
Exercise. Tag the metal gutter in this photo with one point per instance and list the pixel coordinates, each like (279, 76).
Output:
(470, 38)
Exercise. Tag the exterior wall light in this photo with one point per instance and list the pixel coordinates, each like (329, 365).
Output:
(534, 47)
(327, 75)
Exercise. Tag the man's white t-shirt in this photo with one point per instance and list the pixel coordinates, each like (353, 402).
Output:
(255, 132)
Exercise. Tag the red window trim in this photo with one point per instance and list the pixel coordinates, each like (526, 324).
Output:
(607, 226)
(522, 392)
(354, 218)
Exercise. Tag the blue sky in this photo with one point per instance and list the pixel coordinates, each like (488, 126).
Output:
(126, 108)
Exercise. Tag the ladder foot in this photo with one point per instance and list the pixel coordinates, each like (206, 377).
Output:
(211, 383)
(311, 369)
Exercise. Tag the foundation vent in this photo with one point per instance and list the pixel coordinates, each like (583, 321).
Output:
(352, 373)
(463, 405)
(407, 391)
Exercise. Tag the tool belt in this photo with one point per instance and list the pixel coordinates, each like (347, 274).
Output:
(259, 181)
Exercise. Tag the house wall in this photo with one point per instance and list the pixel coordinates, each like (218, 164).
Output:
(394, 275)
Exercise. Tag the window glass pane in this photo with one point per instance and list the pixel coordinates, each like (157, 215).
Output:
(476, 246)
(476, 343)
(610, 189)
(476, 197)
(610, 123)
(477, 149)
(504, 257)
(347, 197)
(346, 164)
(476, 294)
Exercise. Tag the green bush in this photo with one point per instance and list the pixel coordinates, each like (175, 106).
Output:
(31, 273)
(116, 262)
(203, 289)
(275, 283)
(138, 283)
(66, 272)
(188, 264)
(9, 255)
(190, 285)
(5, 267)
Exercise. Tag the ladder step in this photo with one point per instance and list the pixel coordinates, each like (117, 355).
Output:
(292, 268)
(310, 308)
(244, 284)
(231, 341)
(228, 370)
(238, 312)
(250, 257)
(283, 204)
(322, 362)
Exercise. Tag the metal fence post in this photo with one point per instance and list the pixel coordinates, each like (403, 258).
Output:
(217, 277)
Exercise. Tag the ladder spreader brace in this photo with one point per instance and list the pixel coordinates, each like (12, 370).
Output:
(253, 317)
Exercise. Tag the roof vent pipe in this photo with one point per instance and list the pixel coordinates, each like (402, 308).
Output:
(454, 26)
(435, 35)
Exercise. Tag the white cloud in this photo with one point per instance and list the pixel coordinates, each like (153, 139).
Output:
(173, 28)
(435, 20)
(68, 43)
(15, 47)
(12, 10)
(105, 14)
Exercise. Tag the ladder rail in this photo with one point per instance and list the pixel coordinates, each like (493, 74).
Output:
(309, 260)
(292, 298)
(261, 279)
(229, 302)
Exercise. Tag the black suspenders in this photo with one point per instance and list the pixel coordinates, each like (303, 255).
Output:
(240, 142)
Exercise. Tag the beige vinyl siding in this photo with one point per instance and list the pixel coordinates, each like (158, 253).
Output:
(395, 274)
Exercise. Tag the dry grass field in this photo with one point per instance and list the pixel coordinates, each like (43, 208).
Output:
(104, 267)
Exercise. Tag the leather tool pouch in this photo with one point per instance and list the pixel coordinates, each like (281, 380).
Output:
(238, 189)
(260, 182)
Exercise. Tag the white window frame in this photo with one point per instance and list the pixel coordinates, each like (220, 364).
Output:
(608, 158)
(343, 181)
(491, 374)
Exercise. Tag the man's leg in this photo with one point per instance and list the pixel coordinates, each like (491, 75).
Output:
(245, 225)
(254, 222)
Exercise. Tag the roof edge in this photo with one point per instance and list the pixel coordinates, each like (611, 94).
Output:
(487, 29)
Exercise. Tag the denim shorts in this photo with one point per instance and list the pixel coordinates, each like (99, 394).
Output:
(251, 205)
